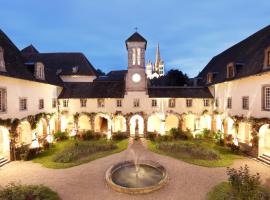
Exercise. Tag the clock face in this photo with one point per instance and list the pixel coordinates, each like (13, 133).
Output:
(136, 78)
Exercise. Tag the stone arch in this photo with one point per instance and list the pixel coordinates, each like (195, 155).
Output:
(171, 121)
(119, 123)
(67, 123)
(189, 122)
(24, 131)
(205, 122)
(264, 139)
(219, 123)
(136, 124)
(42, 128)
(155, 123)
(53, 124)
(84, 123)
(244, 132)
(4, 142)
(103, 123)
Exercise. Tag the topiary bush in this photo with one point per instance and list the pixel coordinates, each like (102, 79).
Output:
(27, 192)
(60, 136)
(119, 135)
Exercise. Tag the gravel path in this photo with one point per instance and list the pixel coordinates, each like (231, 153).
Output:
(87, 181)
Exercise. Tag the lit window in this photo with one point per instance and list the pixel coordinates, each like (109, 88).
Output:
(54, 103)
(171, 103)
(206, 102)
(210, 77)
(119, 103)
(154, 103)
(245, 103)
(83, 102)
(267, 98)
(133, 56)
(229, 103)
(65, 103)
(2, 61)
(39, 71)
(41, 104)
(136, 103)
(189, 102)
(217, 103)
(100, 103)
(230, 71)
(138, 56)
(23, 104)
(3, 99)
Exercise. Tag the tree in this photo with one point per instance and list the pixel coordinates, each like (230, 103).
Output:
(174, 77)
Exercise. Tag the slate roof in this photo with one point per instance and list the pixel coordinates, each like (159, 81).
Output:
(14, 63)
(136, 37)
(30, 49)
(93, 90)
(65, 62)
(118, 75)
(248, 55)
(179, 92)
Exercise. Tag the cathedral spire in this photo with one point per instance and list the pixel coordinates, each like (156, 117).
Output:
(157, 56)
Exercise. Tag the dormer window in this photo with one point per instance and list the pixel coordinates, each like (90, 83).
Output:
(39, 71)
(267, 58)
(2, 61)
(210, 77)
(230, 70)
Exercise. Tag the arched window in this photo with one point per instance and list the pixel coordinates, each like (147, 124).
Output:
(2, 61)
(39, 71)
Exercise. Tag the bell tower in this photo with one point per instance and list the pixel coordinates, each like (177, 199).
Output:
(136, 78)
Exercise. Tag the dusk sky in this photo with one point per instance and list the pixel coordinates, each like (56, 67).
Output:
(190, 33)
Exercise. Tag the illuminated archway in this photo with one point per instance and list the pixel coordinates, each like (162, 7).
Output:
(219, 126)
(119, 124)
(205, 122)
(84, 123)
(154, 123)
(136, 125)
(171, 121)
(189, 122)
(67, 123)
(4, 142)
(264, 140)
(42, 128)
(244, 132)
(25, 135)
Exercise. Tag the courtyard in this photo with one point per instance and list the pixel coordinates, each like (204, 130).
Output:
(87, 181)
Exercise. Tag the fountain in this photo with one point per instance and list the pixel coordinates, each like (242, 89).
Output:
(136, 176)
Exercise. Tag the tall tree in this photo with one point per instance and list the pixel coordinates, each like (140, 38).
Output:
(174, 77)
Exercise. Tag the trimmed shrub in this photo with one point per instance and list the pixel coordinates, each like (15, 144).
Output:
(90, 135)
(60, 136)
(164, 138)
(218, 137)
(179, 134)
(27, 192)
(119, 135)
(152, 135)
(207, 134)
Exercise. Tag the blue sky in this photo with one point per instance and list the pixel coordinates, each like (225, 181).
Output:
(190, 33)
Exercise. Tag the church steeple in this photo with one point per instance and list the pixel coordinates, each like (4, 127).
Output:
(157, 56)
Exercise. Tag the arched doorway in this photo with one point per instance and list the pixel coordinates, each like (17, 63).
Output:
(25, 135)
(84, 123)
(67, 123)
(103, 124)
(171, 121)
(244, 132)
(42, 128)
(205, 122)
(264, 140)
(189, 122)
(154, 123)
(136, 126)
(4, 142)
(119, 124)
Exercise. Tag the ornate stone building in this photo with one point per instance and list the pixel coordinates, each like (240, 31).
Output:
(157, 69)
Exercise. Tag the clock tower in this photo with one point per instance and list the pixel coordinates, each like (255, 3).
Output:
(136, 78)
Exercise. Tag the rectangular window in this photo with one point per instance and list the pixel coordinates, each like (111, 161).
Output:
(216, 103)
(100, 103)
(65, 103)
(138, 56)
(245, 103)
(133, 56)
(229, 103)
(23, 104)
(54, 103)
(119, 103)
(267, 98)
(41, 104)
(189, 103)
(230, 71)
(171, 103)
(3, 100)
(136, 103)
(154, 103)
(206, 102)
(83, 102)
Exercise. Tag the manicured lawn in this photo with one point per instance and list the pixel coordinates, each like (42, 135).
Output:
(71, 153)
(215, 156)
(224, 191)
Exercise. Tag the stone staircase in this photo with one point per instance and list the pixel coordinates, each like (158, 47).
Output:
(3, 161)
(265, 159)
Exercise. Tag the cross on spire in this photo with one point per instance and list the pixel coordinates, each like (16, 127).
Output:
(136, 29)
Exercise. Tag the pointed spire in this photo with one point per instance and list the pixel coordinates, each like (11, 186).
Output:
(157, 57)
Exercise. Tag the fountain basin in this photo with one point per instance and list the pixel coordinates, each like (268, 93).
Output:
(126, 177)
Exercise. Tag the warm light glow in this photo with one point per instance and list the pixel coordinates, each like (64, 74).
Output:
(136, 78)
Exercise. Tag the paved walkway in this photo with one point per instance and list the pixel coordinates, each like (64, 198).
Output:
(87, 181)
